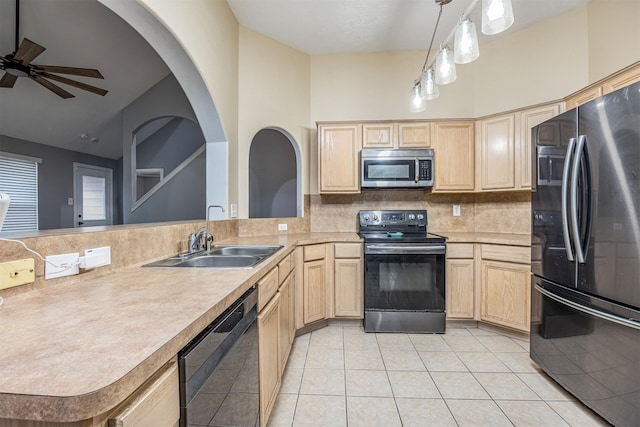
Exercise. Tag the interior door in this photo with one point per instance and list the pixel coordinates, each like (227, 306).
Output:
(93, 193)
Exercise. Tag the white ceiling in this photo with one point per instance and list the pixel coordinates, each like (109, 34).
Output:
(320, 27)
(84, 33)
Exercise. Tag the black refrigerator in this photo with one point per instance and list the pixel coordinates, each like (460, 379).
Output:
(585, 306)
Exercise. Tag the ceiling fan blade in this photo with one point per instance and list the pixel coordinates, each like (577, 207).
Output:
(84, 72)
(28, 51)
(93, 89)
(8, 80)
(52, 87)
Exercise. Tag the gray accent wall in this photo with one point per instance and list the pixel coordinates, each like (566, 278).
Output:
(55, 180)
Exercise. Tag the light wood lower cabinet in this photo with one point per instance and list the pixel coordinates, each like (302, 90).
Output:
(314, 281)
(268, 356)
(460, 286)
(506, 286)
(348, 280)
(285, 337)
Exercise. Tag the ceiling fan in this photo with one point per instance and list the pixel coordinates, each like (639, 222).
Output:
(18, 64)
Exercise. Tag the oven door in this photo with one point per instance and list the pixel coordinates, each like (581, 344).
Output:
(404, 277)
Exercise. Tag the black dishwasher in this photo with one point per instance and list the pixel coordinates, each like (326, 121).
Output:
(219, 370)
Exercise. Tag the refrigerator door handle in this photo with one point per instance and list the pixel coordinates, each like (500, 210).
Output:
(564, 204)
(575, 229)
(631, 323)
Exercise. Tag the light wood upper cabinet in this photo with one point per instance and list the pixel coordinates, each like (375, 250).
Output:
(610, 84)
(496, 157)
(378, 135)
(348, 280)
(338, 158)
(454, 156)
(621, 80)
(414, 135)
(528, 119)
(583, 96)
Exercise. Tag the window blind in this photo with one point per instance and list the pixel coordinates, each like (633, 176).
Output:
(19, 179)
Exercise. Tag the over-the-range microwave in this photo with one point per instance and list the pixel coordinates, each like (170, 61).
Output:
(399, 168)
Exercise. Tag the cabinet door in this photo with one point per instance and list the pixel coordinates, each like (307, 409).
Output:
(621, 80)
(268, 358)
(378, 135)
(529, 119)
(292, 308)
(285, 322)
(339, 167)
(583, 96)
(454, 157)
(314, 290)
(497, 153)
(460, 288)
(506, 294)
(414, 135)
(349, 291)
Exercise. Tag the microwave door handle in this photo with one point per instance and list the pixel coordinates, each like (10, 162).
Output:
(564, 204)
(417, 170)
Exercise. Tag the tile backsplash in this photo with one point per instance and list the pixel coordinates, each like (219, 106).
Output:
(486, 212)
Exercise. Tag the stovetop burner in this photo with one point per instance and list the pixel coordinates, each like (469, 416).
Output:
(399, 226)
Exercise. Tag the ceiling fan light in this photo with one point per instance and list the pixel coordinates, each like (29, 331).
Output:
(16, 72)
(428, 86)
(497, 16)
(465, 47)
(417, 101)
(445, 67)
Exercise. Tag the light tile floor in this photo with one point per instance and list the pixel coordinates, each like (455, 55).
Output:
(340, 375)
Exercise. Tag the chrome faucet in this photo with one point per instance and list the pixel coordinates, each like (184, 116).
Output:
(198, 240)
(209, 235)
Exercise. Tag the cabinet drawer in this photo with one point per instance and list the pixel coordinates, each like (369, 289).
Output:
(267, 287)
(158, 405)
(348, 250)
(284, 268)
(459, 250)
(517, 254)
(313, 252)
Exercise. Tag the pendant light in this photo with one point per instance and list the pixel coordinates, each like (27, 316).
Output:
(428, 86)
(465, 46)
(445, 67)
(417, 101)
(497, 16)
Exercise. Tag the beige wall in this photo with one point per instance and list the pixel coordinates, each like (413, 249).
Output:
(273, 92)
(614, 36)
(208, 31)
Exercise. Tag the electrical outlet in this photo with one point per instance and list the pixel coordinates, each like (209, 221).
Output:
(15, 273)
(282, 227)
(456, 210)
(96, 257)
(61, 265)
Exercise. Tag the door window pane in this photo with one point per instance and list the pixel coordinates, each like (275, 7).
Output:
(94, 206)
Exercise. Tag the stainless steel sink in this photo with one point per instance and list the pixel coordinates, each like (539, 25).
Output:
(223, 256)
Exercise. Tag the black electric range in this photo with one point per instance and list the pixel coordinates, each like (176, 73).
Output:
(404, 272)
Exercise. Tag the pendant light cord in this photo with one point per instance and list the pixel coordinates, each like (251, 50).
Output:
(426, 60)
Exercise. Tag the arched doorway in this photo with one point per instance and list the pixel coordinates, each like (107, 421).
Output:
(274, 175)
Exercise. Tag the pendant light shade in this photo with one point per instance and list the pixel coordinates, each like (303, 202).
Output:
(428, 86)
(445, 67)
(417, 101)
(497, 16)
(465, 47)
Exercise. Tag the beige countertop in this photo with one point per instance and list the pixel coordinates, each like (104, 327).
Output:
(74, 351)
(490, 238)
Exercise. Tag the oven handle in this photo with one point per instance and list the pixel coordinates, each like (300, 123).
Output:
(420, 249)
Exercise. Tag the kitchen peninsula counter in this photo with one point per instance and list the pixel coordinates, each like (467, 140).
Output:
(73, 351)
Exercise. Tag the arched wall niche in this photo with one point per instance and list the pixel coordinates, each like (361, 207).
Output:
(194, 87)
(275, 175)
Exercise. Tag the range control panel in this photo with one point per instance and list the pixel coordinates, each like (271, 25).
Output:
(401, 218)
